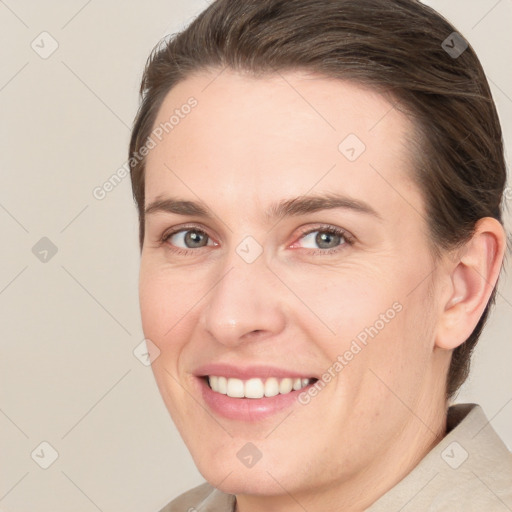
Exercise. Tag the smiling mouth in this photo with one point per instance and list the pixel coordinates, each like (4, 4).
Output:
(255, 387)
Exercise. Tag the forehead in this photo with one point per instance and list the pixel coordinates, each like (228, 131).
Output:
(257, 140)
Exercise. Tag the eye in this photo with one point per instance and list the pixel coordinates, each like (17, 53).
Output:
(188, 239)
(324, 238)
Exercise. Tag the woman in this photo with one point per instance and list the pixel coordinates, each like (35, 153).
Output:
(319, 187)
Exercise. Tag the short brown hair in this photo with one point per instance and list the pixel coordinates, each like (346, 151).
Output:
(393, 46)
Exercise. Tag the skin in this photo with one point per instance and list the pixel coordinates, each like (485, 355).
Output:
(253, 142)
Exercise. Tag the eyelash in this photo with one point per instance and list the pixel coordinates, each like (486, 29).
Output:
(179, 250)
(332, 230)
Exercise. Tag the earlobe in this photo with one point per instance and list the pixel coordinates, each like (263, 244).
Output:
(473, 276)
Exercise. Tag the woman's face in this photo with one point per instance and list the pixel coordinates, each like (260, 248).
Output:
(286, 247)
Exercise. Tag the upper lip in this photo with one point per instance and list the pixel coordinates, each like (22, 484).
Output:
(248, 372)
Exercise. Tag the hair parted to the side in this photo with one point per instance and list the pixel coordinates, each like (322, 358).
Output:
(392, 46)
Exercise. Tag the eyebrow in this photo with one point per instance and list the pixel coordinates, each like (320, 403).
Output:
(291, 207)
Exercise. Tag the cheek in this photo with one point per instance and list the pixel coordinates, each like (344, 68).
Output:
(166, 296)
(345, 302)
(377, 322)
(154, 300)
(399, 356)
(167, 303)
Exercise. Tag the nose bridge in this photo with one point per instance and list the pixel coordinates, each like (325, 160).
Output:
(241, 301)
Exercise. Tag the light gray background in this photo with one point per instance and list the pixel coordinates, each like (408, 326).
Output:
(69, 325)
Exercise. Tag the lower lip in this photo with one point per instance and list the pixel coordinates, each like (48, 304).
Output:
(247, 409)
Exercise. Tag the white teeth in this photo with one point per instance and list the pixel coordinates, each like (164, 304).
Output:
(255, 388)
(271, 387)
(222, 385)
(235, 388)
(285, 386)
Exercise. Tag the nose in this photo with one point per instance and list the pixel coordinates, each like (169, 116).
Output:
(244, 305)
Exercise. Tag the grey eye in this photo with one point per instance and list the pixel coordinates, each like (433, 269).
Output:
(189, 239)
(322, 239)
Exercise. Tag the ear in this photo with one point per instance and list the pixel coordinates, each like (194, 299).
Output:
(473, 274)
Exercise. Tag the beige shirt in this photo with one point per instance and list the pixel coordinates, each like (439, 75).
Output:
(470, 470)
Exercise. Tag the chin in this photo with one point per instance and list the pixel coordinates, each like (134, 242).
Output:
(261, 479)
(254, 484)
